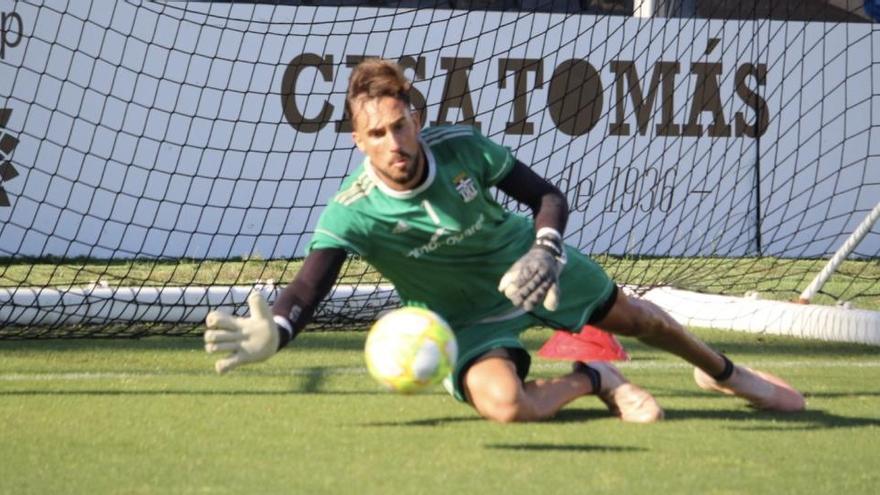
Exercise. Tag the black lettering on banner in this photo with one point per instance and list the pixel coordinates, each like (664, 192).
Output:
(630, 189)
(752, 99)
(11, 31)
(664, 201)
(5, 113)
(707, 98)
(626, 72)
(292, 113)
(575, 97)
(646, 190)
(521, 68)
(583, 193)
(457, 92)
(649, 178)
(7, 145)
(582, 190)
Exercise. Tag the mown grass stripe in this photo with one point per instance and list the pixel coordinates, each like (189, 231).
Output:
(356, 370)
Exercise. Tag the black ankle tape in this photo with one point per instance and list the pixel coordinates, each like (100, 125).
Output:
(592, 374)
(728, 369)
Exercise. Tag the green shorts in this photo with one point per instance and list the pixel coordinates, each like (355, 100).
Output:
(584, 287)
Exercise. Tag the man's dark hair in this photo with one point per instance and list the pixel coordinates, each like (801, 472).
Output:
(375, 78)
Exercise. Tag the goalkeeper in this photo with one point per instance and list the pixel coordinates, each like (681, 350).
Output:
(420, 209)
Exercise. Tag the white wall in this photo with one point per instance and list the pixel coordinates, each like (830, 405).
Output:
(153, 131)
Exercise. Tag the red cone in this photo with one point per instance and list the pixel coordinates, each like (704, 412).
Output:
(590, 344)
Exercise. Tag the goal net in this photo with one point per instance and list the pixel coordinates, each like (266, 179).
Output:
(161, 159)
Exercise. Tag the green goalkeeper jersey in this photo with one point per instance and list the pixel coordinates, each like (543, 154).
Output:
(445, 244)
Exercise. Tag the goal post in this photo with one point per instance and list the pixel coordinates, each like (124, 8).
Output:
(840, 255)
(160, 159)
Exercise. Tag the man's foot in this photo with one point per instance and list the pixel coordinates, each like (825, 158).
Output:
(762, 390)
(629, 402)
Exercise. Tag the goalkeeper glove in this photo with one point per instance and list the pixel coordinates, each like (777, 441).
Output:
(535, 277)
(249, 340)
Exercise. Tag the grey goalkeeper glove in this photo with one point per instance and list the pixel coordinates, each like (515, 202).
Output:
(249, 340)
(534, 278)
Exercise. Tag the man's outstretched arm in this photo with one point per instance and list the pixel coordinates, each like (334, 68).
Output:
(259, 336)
(548, 204)
(534, 278)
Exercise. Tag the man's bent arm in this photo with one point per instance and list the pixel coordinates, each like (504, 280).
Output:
(296, 304)
(548, 204)
(534, 278)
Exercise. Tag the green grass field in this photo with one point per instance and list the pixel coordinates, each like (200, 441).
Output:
(149, 416)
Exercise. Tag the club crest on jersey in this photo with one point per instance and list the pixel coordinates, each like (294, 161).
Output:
(465, 187)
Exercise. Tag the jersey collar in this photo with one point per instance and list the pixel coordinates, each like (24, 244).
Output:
(432, 171)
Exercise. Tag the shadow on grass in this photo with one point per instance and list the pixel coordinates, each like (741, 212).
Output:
(811, 419)
(695, 393)
(842, 395)
(805, 420)
(577, 415)
(446, 420)
(552, 447)
(564, 416)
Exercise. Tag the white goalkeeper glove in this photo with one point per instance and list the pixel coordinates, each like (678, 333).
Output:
(535, 277)
(249, 340)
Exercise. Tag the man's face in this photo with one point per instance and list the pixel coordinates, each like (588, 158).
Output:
(388, 133)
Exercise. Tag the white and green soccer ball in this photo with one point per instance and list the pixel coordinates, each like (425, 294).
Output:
(410, 349)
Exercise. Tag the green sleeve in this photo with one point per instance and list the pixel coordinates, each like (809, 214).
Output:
(337, 228)
(499, 159)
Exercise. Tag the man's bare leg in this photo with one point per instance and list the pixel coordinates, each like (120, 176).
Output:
(496, 392)
(650, 324)
(494, 389)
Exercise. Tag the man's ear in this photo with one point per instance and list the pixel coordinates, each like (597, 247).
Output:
(356, 136)
(416, 116)
(357, 140)
(354, 129)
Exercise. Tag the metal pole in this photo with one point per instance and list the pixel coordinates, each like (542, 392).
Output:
(840, 255)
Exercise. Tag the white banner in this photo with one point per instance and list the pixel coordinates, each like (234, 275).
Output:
(206, 131)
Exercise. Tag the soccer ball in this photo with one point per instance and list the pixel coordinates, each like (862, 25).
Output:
(410, 349)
